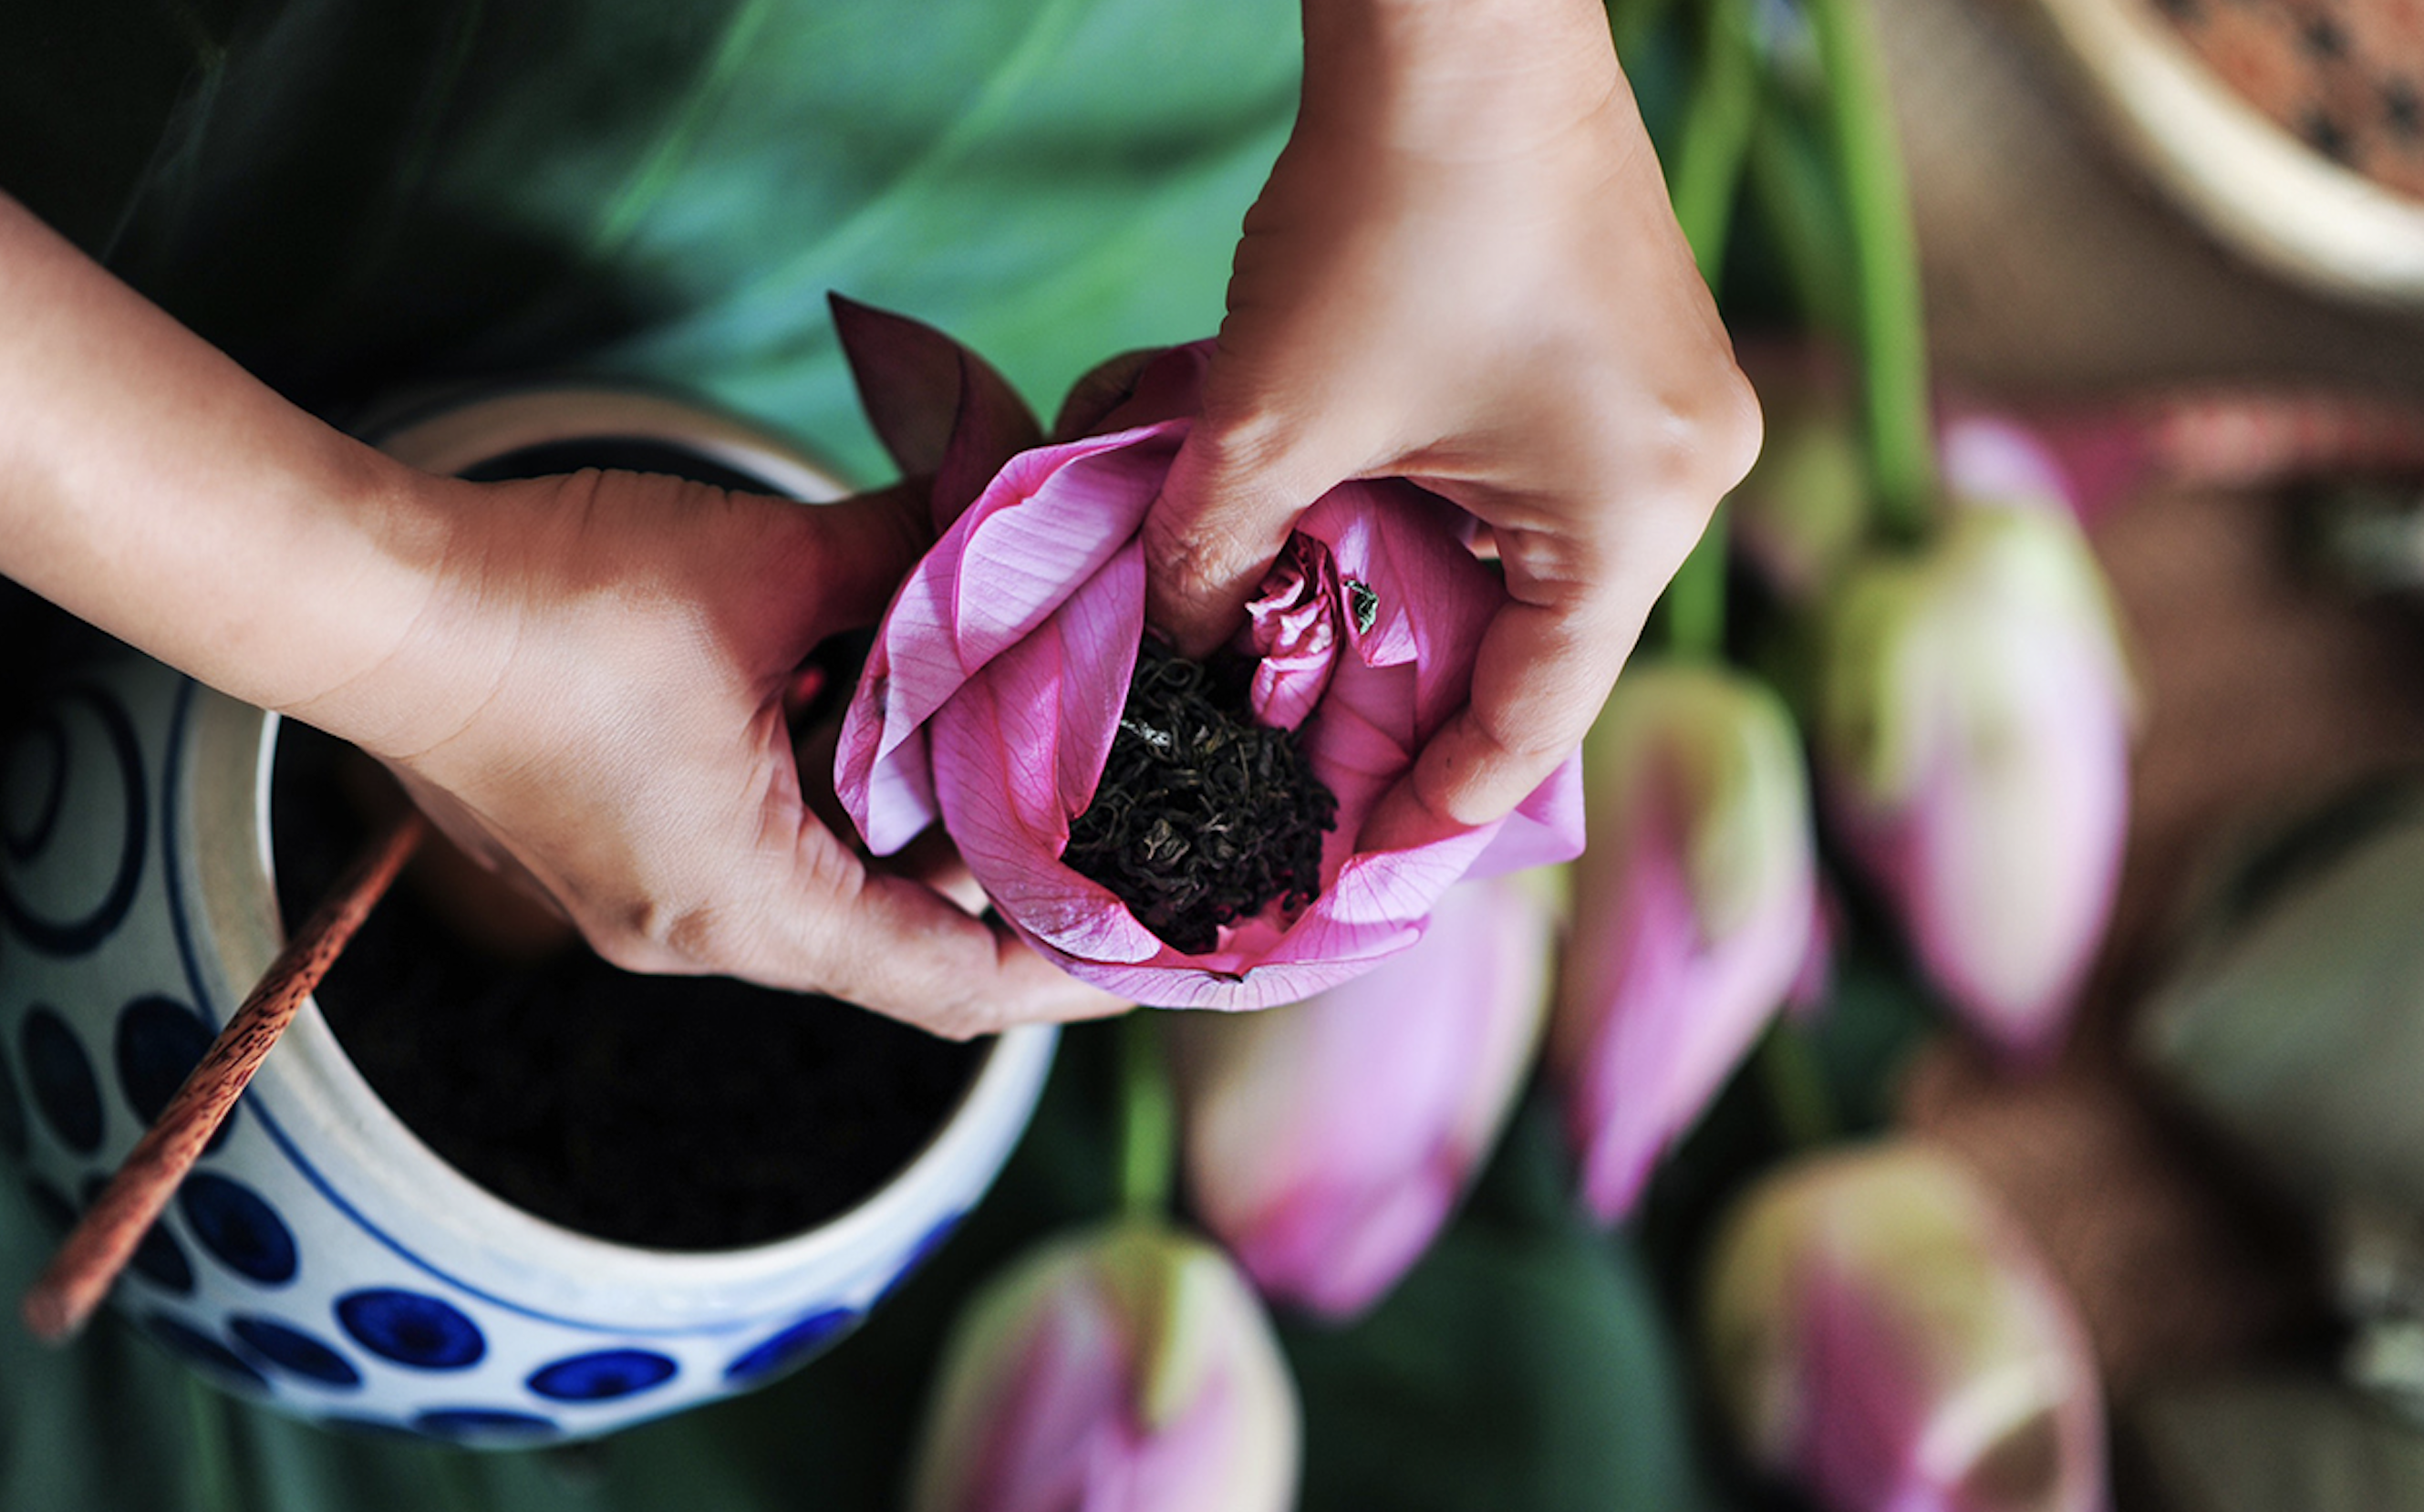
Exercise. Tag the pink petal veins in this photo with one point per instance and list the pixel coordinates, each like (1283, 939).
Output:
(1293, 625)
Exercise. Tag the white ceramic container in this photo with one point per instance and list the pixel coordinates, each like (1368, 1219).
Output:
(321, 1259)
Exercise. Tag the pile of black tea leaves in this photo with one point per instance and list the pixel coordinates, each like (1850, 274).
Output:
(670, 1113)
(1202, 816)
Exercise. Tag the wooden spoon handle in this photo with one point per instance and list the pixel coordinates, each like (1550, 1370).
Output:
(80, 1274)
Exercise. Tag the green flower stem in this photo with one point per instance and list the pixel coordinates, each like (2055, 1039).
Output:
(1885, 255)
(1631, 22)
(1796, 1088)
(1695, 604)
(1796, 193)
(1716, 136)
(1149, 1120)
(1709, 161)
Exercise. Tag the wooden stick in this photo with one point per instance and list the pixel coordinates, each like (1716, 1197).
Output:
(87, 1262)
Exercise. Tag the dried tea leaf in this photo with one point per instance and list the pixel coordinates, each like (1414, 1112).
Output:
(1202, 816)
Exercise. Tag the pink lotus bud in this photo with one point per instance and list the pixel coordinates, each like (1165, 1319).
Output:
(1808, 503)
(1988, 456)
(1882, 1336)
(1695, 906)
(1126, 1369)
(1974, 734)
(997, 691)
(1327, 1141)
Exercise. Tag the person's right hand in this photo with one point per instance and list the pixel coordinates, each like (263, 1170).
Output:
(1464, 271)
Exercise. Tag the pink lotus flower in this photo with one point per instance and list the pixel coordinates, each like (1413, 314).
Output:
(1327, 1142)
(1974, 730)
(1808, 502)
(999, 677)
(1128, 1369)
(1695, 913)
(1880, 1335)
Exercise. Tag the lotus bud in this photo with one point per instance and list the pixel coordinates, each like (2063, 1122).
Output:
(1801, 515)
(1127, 1367)
(1883, 1337)
(1327, 1141)
(1989, 456)
(1973, 734)
(1695, 906)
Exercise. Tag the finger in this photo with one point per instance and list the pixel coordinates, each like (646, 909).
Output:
(813, 755)
(909, 954)
(1224, 514)
(932, 861)
(1539, 680)
(849, 556)
(903, 950)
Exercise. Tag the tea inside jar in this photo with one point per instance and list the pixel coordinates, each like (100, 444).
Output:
(669, 1112)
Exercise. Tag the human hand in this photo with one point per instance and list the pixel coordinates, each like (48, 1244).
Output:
(1463, 270)
(581, 678)
(590, 700)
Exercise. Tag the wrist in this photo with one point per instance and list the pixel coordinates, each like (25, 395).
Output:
(1450, 78)
(364, 543)
(384, 566)
(151, 486)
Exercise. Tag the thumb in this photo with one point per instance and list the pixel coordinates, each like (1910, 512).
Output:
(858, 551)
(1224, 513)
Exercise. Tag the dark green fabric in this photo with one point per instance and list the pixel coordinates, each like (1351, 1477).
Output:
(353, 196)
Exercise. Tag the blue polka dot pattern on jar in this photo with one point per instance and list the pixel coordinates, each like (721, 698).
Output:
(484, 1425)
(793, 1347)
(158, 1040)
(604, 1376)
(294, 1351)
(239, 1228)
(161, 1260)
(64, 1087)
(411, 1328)
(199, 1348)
(158, 1259)
(12, 1113)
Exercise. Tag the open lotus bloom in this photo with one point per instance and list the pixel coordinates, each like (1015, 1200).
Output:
(1126, 1368)
(1001, 676)
(1880, 1335)
(1974, 740)
(1327, 1141)
(1694, 911)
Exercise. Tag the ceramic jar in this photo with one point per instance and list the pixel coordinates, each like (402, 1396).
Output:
(321, 1259)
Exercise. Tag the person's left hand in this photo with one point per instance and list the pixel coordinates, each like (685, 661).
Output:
(591, 698)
